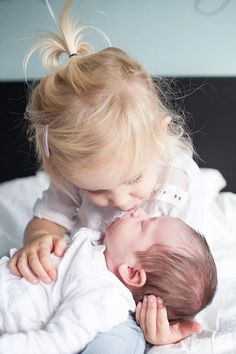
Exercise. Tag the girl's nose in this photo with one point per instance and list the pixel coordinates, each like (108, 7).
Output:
(121, 199)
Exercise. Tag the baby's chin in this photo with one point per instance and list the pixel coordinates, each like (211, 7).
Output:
(101, 241)
(110, 239)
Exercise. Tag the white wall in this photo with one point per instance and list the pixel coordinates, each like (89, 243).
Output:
(169, 37)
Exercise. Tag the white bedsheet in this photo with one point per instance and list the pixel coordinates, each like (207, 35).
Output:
(219, 319)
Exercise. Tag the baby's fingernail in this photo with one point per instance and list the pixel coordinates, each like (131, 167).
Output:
(145, 298)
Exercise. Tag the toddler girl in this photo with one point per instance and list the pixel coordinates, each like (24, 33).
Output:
(109, 145)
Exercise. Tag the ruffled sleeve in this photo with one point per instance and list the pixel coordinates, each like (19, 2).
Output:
(59, 207)
(183, 193)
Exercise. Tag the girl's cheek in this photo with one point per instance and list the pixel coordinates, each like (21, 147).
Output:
(143, 191)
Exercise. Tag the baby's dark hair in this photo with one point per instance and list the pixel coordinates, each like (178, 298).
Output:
(184, 277)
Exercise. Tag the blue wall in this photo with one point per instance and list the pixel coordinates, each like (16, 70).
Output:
(169, 37)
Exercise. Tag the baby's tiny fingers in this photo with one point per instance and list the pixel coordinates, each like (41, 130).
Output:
(137, 312)
(151, 319)
(143, 312)
(163, 326)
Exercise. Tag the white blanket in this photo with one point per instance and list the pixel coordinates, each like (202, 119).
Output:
(219, 319)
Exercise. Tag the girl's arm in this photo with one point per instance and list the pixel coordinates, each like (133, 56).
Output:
(54, 214)
(41, 227)
(33, 261)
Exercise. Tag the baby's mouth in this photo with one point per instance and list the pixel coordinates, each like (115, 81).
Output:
(112, 223)
(115, 220)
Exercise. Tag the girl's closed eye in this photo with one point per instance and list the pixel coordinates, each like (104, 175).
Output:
(99, 192)
(136, 179)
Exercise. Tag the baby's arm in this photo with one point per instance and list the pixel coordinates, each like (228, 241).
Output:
(60, 336)
(33, 261)
(74, 325)
(151, 315)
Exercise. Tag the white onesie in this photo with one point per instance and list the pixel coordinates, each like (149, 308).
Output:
(64, 316)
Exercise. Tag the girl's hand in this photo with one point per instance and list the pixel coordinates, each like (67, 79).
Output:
(33, 261)
(151, 315)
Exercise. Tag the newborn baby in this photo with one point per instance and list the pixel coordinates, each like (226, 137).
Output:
(100, 278)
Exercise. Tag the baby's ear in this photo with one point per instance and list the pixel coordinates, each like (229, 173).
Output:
(165, 121)
(132, 276)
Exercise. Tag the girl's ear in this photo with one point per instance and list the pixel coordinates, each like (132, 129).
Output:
(132, 276)
(164, 123)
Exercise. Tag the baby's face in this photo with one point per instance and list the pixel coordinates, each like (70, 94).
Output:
(135, 231)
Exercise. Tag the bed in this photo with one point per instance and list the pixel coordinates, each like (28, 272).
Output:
(211, 107)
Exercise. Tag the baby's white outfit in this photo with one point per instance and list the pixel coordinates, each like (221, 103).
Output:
(64, 316)
(179, 192)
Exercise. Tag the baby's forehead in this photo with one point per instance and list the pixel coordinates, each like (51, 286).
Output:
(172, 224)
(173, 231)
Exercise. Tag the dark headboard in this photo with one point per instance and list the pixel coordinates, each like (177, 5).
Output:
(212, 122)
(17, 158)
(211, 104)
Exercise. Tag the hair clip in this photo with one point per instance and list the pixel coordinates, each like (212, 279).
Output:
(45, 141)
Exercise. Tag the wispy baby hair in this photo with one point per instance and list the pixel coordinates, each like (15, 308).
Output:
(97, 106)
(184, 277)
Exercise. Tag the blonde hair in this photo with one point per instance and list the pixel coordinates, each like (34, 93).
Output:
(185, 278)
(99, 106)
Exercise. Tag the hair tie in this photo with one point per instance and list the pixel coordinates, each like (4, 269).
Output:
(45, 142)
(73, 54)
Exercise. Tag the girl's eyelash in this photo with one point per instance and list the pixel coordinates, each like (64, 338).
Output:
(95, 192)
(133, 181)
(136, 179)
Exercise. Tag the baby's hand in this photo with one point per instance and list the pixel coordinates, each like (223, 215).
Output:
(151, 315)
(33, 261)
